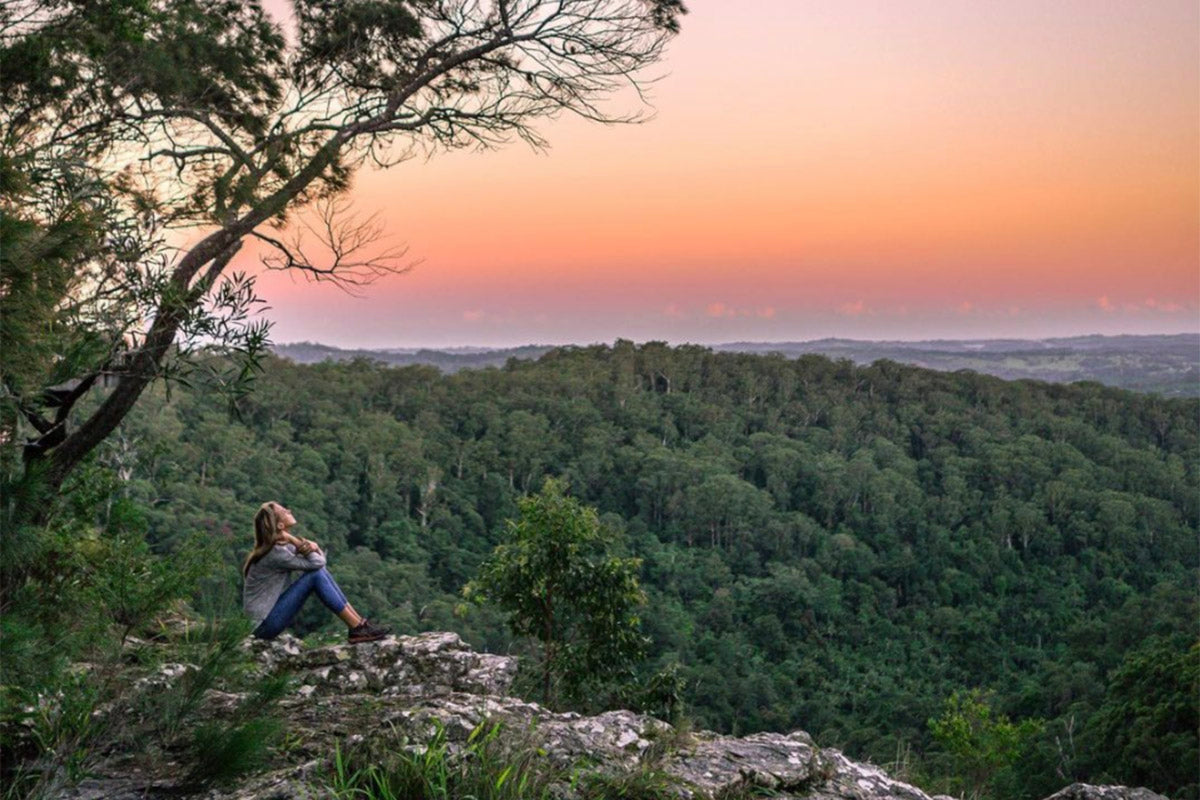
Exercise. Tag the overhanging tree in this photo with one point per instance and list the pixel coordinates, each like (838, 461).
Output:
(126, 125)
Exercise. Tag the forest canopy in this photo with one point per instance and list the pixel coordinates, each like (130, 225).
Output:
(824, 546)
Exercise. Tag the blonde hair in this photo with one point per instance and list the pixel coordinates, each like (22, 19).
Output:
(266, 528)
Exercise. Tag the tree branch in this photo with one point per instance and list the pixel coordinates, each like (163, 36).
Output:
(346, 240)
(141, 367)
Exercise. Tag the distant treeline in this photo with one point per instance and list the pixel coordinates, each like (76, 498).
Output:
(1163, 364)
(826, 546)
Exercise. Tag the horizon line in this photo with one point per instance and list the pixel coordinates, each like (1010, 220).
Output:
(1195, 333)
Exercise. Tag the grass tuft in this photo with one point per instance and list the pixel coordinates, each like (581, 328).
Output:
(482, 768)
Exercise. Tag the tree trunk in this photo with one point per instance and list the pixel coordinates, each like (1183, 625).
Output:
(145, 364)
(215, 250)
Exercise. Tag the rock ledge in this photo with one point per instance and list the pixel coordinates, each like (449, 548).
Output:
(403, 688)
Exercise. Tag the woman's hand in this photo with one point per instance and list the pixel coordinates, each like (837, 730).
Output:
(306, 546)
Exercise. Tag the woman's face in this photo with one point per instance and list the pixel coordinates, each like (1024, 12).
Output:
(284, 516)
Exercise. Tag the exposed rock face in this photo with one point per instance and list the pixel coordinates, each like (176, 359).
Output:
(862, 781)
(1084, 791)
(400, 690)
(713, 763)
(411, 666)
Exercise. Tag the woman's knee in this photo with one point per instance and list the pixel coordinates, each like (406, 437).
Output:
(307, 579)
(319, 574)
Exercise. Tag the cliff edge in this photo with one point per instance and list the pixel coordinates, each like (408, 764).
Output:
(403, 690)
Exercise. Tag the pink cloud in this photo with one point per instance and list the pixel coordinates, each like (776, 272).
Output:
(1166, 308)
(965, 307)
(857, 308)
(673, 311)
(768, 312)
(720, 310)
(472, 316)
(1105, 304)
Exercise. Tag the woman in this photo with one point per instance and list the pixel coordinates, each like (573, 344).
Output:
(268, 599)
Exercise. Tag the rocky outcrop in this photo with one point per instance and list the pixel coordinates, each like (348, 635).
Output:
(402, 690)
(436, 681)
(1084, 791)
(410, 666)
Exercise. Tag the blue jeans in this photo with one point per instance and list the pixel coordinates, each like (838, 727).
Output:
(293, 597)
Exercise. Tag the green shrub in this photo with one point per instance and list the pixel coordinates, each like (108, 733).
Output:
(216, 656)
(131, 584)
(662, 694)
(222, 752)
(71, 587)
(51, 736)
(978, 744)
(558, 578)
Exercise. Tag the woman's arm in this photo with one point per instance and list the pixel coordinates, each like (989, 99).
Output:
(286, 557)
(303, 546)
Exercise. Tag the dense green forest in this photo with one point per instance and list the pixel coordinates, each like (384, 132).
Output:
(825, 546)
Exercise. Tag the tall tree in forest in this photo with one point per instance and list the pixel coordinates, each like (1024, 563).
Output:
(126, 125)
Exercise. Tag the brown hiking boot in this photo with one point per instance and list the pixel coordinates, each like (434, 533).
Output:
(367, 631)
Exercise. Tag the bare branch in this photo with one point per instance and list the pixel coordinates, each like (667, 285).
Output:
(349, 256)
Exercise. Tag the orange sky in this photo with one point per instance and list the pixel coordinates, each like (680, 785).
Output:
(860, 169)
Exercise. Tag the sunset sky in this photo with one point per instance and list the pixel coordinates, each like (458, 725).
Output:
(900, 170)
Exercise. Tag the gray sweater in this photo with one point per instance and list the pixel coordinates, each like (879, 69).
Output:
(269, 576)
